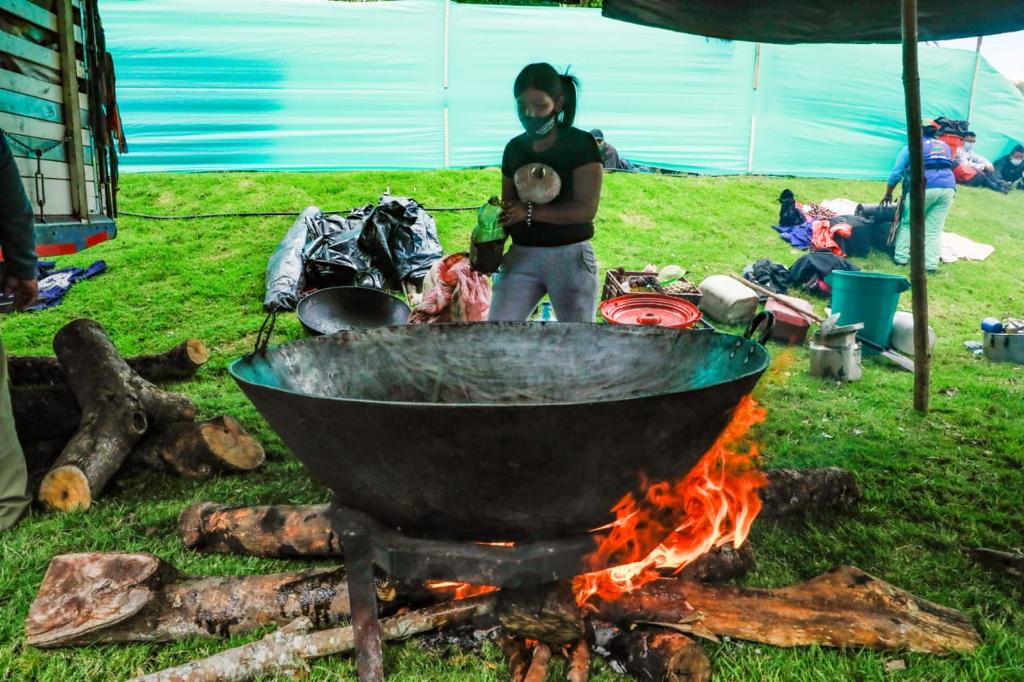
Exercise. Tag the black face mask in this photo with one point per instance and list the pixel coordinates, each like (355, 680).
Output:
(537, 127)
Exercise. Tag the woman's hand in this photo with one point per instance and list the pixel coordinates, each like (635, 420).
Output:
(513, 213)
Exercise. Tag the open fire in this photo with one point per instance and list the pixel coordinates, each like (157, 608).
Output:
(670, 525)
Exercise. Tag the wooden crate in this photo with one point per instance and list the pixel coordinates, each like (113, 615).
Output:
(52, 95)
(614, 283)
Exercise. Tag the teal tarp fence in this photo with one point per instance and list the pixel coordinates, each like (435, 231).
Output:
(314, 84)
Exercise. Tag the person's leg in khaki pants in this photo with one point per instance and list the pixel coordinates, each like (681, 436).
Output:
(13, 475)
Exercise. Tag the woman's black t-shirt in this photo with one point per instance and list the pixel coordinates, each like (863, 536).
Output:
(572, 149)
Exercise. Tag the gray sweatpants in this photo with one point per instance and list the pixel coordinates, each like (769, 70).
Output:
(568, 274)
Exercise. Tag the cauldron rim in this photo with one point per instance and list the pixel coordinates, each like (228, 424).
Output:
(752, 345)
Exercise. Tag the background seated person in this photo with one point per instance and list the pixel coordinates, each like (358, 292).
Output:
(975, 170)
(609, 154)
(1010, 168)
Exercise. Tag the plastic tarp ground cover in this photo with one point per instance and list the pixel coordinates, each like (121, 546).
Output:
(314, 84)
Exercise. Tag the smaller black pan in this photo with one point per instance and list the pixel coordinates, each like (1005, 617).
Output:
(339, 309)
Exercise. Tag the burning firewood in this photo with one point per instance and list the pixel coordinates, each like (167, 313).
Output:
(117, 408)
(180, 362)
(659, 654)
(123, 597)
(579, 662)
(547, 614)
(286, 650)
(517, 657)
(269, 531)
(842, 608)
(197, 450)
(538, 670)
(800, 491)
(306, 530)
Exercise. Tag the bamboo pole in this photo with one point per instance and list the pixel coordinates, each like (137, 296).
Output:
(974, 79)
(918, 276)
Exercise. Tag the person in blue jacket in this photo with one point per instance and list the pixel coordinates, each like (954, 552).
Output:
(940, 189)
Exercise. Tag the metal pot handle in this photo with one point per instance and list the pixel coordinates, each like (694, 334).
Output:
(763, 319)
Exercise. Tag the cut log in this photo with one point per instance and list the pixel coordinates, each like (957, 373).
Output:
(286, 650)
(842, 608)
(721, 565)
(579, 662)
(199, 450)
(136, 597)
(113, 417)
(176, 364)
(790, 492)
(1010, 563)
(657, 654)
(538, 670)
(269, 531)
(517, 657)
(548, 613)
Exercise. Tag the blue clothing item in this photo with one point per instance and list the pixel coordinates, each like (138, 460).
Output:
(935, 177)
(797, 235)
(54, 284)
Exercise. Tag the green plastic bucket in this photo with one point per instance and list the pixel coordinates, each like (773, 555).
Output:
(868, 297)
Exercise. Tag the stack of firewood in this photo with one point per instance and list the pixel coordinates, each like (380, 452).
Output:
(83, 414)
(652, 632)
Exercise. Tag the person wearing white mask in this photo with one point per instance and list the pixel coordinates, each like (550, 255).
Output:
(975, 170)
(1010, 168)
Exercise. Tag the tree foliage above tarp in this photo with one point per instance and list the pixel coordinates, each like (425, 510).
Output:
(819, 21)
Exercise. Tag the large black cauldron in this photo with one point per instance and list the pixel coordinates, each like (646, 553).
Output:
(499, 431)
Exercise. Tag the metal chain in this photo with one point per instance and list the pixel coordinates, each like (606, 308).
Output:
(40, 183)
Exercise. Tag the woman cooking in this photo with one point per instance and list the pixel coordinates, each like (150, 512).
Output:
(551, 251)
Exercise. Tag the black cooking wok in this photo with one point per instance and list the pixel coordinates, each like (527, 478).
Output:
(336, 309)
(499, 431)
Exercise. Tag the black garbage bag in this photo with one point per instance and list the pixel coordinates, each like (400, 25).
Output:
(789, 214)
(773, 276)
(285, 275)
(401, 239)
(333, 257)
(809, 272)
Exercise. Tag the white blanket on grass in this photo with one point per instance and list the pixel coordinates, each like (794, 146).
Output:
(955, 247)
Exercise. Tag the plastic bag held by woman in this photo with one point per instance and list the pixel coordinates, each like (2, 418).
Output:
(487, 243)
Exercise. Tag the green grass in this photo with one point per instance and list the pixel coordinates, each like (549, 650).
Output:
(934, 484)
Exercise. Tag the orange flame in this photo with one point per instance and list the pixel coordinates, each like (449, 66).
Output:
(459, 590)
(675, 523)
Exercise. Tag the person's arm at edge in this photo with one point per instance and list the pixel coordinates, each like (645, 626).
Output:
(17, 233)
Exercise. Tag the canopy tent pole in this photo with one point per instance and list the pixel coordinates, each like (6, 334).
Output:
(918, 276)
(974, 79)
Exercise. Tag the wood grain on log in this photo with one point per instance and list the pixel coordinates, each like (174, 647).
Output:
(517, 656)
(802, 491)
(269, 531)
(286, 649)
(200, 450)
(659, 654)
(538, 670)
(547, 613)
(137, 597)
(842, 608)
(176, 364)
(721, 565)
(1010, 563)
(114, 417)
(579, 662)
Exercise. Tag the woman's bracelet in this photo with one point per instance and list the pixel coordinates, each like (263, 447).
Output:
(529, 213)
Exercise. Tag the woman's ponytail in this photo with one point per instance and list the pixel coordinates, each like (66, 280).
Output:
(570, 93)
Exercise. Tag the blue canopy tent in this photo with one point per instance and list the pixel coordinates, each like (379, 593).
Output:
(850, 21)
